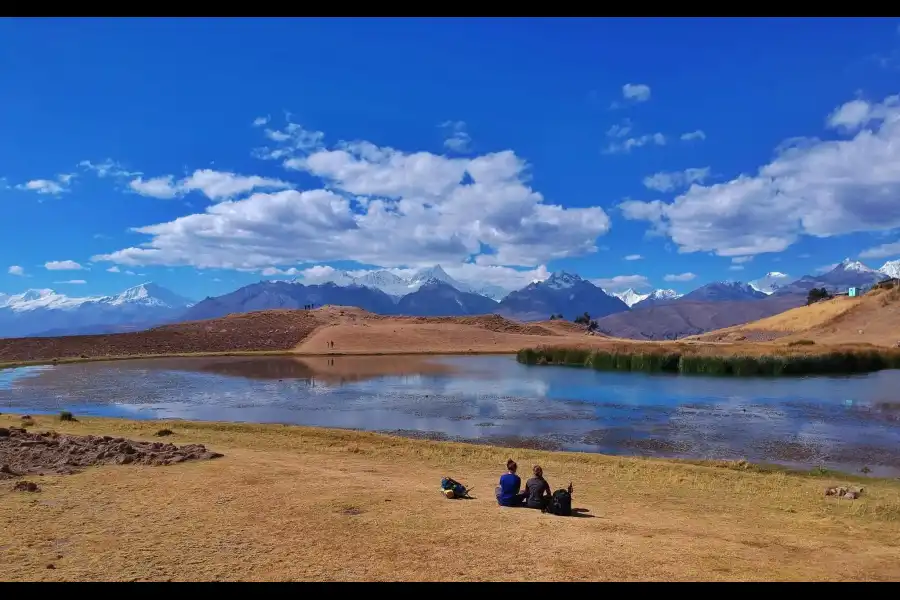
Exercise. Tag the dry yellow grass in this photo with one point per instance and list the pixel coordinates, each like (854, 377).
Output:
(872, 319)
(289, 503)
(805, 317)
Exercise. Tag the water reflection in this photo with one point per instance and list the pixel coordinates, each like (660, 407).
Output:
(493, 399)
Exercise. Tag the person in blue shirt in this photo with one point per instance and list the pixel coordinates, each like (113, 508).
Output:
(508, 492)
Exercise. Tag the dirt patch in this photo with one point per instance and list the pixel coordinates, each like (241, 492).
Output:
(25, 453)
(273, 330)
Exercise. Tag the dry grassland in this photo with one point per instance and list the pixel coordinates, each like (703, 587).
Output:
(291, 503)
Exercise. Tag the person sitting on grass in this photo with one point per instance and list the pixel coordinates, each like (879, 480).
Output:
(537, 490)
(508, 491)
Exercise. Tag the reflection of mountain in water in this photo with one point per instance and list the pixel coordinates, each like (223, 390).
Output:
(340, 369)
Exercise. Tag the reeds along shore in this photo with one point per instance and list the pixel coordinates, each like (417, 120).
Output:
(837, 362)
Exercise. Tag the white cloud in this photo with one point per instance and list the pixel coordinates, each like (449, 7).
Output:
(882, 251)
(634, 257)
(48, 186)
(622, 282)
(736, 268)
(626, 146)
(71, 282)
(16, 270)
(156, 187)
(294, 140)
(680, 277)
(826, 268)
(637, 92)
(130, 273)
(113, 269)
(107, 168)
(458, 139)
(815, 188)
(260, 121)
(693, 135)
(62, 265)
(619, 130)
(739, 260)
(384, 207)
(215, 185)
(668, 181)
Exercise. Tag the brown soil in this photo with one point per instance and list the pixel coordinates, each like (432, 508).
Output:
(25, 453)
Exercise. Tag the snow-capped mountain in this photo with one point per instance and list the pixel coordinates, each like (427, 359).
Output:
(631, 298)
(397, 287)
(846, 274)
(854, 266)
(770, 282)
(890, 268)
(37, 311)
(562, 293)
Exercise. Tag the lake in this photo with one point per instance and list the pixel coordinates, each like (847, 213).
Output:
(844, 423)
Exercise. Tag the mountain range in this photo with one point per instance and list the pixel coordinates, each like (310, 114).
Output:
(44, 312)
(660, 314)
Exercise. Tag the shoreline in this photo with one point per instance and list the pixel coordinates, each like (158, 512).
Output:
(401, 437)
(281, 353)
(250, 514)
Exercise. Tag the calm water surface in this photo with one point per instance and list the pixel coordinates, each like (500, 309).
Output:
(836, 422)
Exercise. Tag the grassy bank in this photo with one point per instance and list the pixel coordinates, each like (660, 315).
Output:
(296, 503)
(695, 363)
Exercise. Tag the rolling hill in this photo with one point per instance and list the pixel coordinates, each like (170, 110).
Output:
(870, 319)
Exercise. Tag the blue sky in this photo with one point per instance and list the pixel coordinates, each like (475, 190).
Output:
(500, 148)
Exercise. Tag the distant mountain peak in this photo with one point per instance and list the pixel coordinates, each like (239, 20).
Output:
(890, 269)
(854, 265)
(562, 279)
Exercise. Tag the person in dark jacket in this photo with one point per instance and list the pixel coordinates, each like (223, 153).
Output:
(508, 491)
(537, 490)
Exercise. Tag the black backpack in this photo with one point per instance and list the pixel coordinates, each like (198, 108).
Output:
(560, 504)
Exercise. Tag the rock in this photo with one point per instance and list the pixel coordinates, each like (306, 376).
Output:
(26, 486)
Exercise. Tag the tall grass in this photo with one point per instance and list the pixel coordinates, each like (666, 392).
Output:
(838, 362)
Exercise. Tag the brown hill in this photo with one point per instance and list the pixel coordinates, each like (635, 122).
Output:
(870, 319)
(353, 331)
(679, 319)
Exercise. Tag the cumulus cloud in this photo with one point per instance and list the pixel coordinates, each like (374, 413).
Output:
(637, 92)
(680, 277)
(693, 135)
(113, 269)
(215, 185)
(738, 260)
(458, 139)
(260, 121)
(16, 270)
(622, 282)
(668, 181)
(815, 188)
(71, 282)
(380, 206)
(62, 265)
(882, 251)
(736, 268)
(634, 257)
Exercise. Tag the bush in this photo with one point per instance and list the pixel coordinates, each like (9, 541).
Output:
(840, 362)
(67, 416)
(801, 343)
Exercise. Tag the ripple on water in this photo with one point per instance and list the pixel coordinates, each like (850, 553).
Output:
(809, 421)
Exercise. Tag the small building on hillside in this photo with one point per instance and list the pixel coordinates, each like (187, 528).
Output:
(852, 292)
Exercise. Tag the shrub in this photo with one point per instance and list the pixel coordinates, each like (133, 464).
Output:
(838, 362)
(67, 416)
(801, 343)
